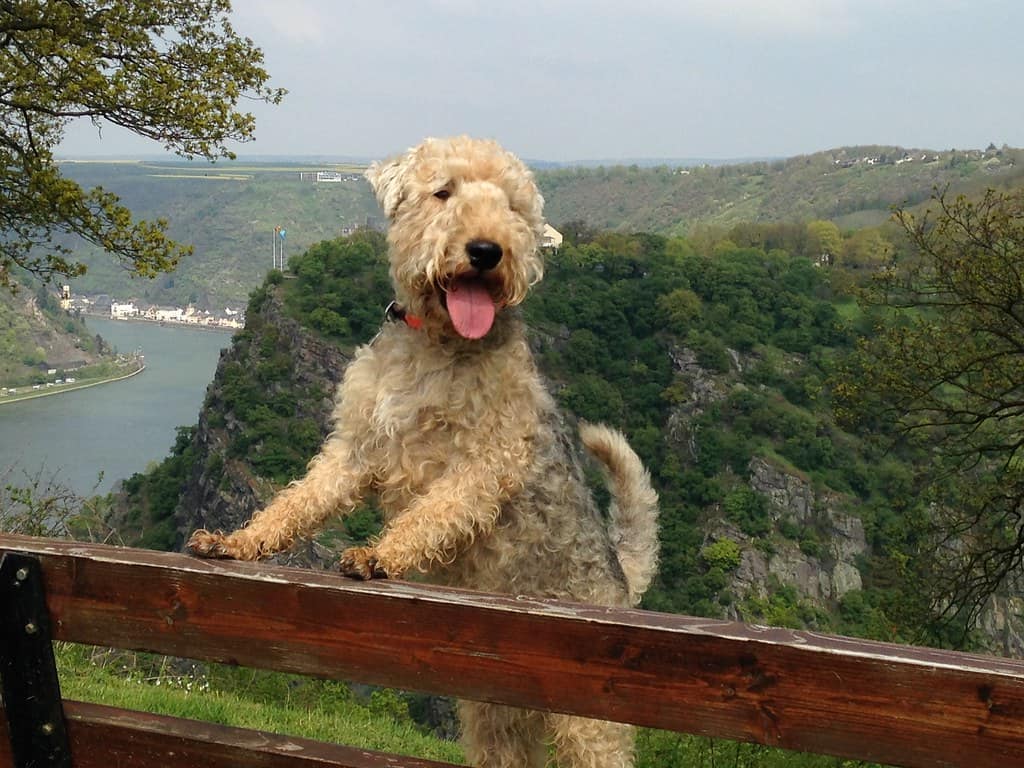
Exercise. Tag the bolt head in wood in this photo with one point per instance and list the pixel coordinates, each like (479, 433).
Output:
(31, 628)
(21, 574)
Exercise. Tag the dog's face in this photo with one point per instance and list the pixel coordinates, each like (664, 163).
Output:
(466, 220)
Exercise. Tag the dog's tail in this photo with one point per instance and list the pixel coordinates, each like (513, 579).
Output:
(634, 507)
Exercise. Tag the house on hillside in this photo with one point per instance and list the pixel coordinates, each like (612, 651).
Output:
(170, 314)
(551, 238)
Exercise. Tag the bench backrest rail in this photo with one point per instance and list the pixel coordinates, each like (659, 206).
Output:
(900, 705)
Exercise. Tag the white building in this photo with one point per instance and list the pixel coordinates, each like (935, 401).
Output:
(551, 238)
(173, 315)
(121, 311)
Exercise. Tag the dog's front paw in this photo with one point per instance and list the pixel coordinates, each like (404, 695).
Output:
(361, 563)
(202, 543)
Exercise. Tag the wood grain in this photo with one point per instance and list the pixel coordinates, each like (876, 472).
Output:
(799, 690)
(105, 737)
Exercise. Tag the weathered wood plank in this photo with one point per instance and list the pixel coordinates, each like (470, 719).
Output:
(102, 737)
(799, 690)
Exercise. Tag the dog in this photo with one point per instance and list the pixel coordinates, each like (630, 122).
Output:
(445, 417)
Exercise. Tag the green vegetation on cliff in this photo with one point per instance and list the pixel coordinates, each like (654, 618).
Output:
(708, 354)
(630, 329)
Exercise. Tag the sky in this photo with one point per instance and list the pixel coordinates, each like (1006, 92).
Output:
(566, 80)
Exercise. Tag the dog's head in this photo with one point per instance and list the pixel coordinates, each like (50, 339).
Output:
(466, 221)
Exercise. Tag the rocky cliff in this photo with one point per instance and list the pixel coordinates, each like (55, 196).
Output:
(1001, 623)
(811, 545)
(762, 493)
(223, 490)
(821, 567)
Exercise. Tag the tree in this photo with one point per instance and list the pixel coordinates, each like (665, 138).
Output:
(947, 370)
(682, 308)
(170, 70)
(825, 241)
(866, 249)
(39, 504)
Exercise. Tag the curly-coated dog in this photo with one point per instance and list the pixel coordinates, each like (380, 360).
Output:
(445, 418)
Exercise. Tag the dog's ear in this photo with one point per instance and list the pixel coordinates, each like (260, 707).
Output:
(387, 179)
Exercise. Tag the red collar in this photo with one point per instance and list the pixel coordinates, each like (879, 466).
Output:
(396, 312)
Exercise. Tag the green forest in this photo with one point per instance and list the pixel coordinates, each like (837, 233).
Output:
(715, 355)
(808, 399)
(853, 186)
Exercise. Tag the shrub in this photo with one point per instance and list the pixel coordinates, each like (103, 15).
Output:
(710, 351)
(724, 554)
(749, 510)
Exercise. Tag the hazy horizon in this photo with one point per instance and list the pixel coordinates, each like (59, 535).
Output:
(313, 158)
(576, 82)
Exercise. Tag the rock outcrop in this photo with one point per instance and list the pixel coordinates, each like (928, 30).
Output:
(223, 492)
(822, 574)
(821, 561)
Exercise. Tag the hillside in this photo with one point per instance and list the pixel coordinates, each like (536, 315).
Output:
(37, 336)
(229, 210)
(718, 368)
(852, 186)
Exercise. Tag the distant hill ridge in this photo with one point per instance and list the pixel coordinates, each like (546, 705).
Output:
(365, 160)
(228, 210)
(854, 186)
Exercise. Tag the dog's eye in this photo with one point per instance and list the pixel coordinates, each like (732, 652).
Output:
(442, 194)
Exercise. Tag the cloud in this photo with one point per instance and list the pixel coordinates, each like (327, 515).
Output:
(797, 17)
(745, 17)
(297, 21)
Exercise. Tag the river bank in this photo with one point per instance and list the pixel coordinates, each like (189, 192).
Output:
(113, 430)
(164, 322)
(37, 391)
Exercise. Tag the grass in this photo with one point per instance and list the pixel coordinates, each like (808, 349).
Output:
(284, 704)
(330, 711)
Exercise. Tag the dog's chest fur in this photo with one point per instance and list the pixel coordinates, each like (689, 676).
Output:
(417, 412)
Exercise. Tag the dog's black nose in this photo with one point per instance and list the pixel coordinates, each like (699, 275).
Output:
(483, 254)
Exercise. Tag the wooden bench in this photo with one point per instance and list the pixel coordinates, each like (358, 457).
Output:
(893, 704)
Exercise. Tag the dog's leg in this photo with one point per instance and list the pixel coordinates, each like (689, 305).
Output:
(580, 741)
(459, 506)
(333, 485)
(502, 737)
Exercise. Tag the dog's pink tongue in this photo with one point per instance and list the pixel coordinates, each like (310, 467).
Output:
(470, 307)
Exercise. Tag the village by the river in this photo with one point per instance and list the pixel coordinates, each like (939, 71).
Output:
(131, 309)
(90, 438)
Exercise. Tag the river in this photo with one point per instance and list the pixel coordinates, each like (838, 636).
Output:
(118, 428)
